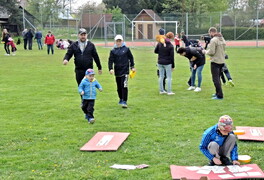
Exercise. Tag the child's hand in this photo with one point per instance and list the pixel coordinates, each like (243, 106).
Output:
(100, 89)
(111, 71)
(195, 66)
(133, 69)
(82, 93)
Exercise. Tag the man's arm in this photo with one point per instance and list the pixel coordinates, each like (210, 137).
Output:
(212, 48)
(68, 55)
(96, 58)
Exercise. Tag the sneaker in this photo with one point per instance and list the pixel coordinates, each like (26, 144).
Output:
(120, 102)
(211, 163)
(163, 92)
(7, 54)
(191, 88)
(91, 120)
(225, 161)
(198, 89)
(213, 95)
(230, 82)
(13, 54)
(217, 98)
(124, 105)
(170, 93)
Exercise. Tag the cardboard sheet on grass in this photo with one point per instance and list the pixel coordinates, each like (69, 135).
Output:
(251, 133)
(105, 141)
(217, 172)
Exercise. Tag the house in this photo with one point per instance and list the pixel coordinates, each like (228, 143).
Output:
(91, 20)
(148, 29)
(4, 21)
(67, 18)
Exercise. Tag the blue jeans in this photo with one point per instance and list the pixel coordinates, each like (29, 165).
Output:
(39, 43)
(50, 47)
(199, 74)
(163, 68)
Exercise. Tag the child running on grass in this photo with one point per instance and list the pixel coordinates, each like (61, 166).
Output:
(87, 89)
(122, 59)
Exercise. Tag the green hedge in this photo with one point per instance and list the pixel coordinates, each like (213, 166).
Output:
(228, 32)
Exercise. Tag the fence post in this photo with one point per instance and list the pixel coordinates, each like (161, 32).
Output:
(235, 29)
(257, 27)
(187, 30)
(220, 24)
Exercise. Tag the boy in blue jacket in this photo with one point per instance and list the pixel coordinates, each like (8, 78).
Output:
(87, 89)
(122, 59)
(219, 143)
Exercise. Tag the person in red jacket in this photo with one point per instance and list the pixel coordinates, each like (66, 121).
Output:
(49, 41)
(177, 42)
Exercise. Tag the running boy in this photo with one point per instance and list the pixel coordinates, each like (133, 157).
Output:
(87, 89)
(122, 59)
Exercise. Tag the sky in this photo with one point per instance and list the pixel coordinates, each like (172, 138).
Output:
(81, 2)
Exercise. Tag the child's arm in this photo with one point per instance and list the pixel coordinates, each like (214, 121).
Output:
(98, 86)
(131, 60)
(111, 62)
(81, 88)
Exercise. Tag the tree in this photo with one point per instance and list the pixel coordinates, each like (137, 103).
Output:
(13, 10)
(127, 6)
(155, 5)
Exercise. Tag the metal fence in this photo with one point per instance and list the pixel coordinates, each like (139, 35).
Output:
(234, 25)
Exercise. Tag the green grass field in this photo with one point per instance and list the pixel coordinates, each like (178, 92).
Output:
(42, 125)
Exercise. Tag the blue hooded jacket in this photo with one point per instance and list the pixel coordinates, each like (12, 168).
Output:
(89, 88)
(210, 135)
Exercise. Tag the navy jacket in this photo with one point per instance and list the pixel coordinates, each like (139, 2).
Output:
(83, 60)
(196, 52)
(122, 59)
(166, 54)
(38, 35)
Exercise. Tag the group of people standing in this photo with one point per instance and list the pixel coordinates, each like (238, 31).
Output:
(28, 35)
(196, 55)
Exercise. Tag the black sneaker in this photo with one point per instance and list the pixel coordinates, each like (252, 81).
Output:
(225, 161)
(211, 163)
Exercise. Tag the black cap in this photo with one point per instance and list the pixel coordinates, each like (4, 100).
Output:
(82, 31)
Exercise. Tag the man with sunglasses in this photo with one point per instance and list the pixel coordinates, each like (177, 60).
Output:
(219, 143)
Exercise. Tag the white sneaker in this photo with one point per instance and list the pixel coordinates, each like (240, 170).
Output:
(7, 54)
(170, 93)
(197, 89)
(191, 88)
(163, 92)
(13, 54)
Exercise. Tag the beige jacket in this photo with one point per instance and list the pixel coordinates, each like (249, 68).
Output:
(217, 49)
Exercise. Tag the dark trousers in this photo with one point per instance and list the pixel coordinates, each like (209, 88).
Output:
(122, 84)
(29, 44)
(50, 47)
(216, 70)
(88, 107)
(227, 74)
(79, 75)
(176, 48)
(25, 43)
(6, 46)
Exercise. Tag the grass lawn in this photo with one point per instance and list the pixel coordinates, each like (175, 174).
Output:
(42, 125)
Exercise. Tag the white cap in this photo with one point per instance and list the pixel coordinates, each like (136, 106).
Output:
(118, 37)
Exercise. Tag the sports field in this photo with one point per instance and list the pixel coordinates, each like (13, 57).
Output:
(42, 126)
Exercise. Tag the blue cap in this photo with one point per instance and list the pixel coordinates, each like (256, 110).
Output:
(89, 72)
(162, 31)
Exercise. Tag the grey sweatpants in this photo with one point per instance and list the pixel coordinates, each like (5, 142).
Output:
(223, 150)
